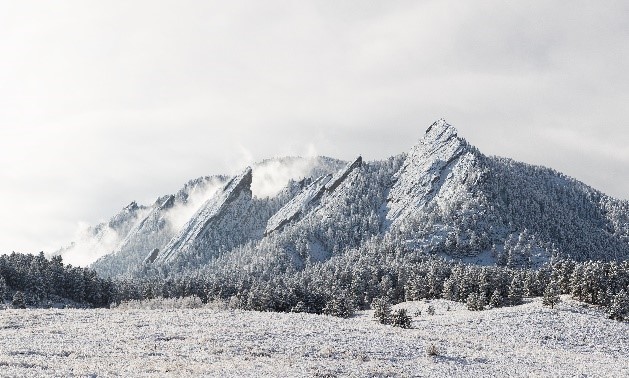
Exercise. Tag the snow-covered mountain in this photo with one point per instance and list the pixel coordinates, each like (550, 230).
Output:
(159, 223)
(122, 244)
(444, 197)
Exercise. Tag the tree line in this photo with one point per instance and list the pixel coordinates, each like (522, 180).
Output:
(358, 280)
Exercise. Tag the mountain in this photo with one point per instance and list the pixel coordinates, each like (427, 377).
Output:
(443, 198)
(121, 245)
(95, 241)
(157, 226)
(223, 212)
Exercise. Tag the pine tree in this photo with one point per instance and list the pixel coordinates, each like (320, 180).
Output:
(18, 300)
(401, 319)
(3, 289)
(382, 310)
(339, 306)
(496, 299)
(551, 295)
(619, 307)
(515, 291)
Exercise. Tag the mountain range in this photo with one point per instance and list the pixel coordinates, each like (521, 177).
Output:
(444, 197)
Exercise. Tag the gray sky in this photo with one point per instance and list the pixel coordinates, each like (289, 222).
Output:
(104, 102)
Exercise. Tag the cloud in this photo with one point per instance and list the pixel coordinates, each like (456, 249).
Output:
(90, 244)
(271, 176)
(181, 213)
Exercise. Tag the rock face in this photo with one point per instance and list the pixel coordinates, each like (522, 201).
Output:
(99, 240)
(237, 192)
(434, 168)
(309, 197)
(154, 229)
(342, 174)
(444, 197)
(298, 205)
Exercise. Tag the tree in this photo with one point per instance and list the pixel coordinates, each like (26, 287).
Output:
(551, 295)
(382, 310)
(515, 291)
(401, 319)
(3, 289)
(496, 299)
(619, 307)
(339, 306)
(18, 300)
(475, 302)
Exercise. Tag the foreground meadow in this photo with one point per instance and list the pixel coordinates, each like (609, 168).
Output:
(527, 340)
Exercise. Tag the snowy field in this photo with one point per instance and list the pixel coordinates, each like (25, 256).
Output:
(528, 340)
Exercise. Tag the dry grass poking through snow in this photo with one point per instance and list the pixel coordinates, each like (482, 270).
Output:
(528, 340)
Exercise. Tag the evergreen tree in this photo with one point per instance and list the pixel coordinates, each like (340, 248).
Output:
(401, 319)
(551, 295)
(496, 299)
(339, 306)
(515, 291)
(18, 300)
(476, 302)
(619, 307)
(3, 289)
(381, 310)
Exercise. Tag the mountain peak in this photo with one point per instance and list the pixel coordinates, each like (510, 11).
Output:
(427, 168)
(440, 132)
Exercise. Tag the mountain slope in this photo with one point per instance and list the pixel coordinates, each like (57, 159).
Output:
(449, 198)
(444, 197)
(212, 214)
(157, 227)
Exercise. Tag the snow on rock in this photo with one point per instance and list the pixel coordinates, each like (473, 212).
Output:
(191, 236)
(297, 205)
(341, 175)
(157, 227)
(92, 242)
(429, 171)
(309, 197)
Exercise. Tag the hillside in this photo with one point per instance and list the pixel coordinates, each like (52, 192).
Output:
(443, 198)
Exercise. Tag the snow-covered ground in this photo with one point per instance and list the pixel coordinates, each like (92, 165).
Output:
(528, 340)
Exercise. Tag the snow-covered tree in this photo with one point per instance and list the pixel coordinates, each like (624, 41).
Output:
(619, 307)
(551, 295)
(381, 310)
(401, 319)
(19, 300)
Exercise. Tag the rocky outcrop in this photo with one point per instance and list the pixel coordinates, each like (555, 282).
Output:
(309, 197)
(430, 169)
(298, 205)
(191, 236)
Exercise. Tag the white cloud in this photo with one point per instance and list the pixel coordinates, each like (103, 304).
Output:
(90, 245)
(181, 213)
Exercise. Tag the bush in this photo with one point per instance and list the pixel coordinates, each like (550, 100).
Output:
(18, 300)
(430, 310)
(382, 310)
(401, 319)
(432, 350)
(339, 307)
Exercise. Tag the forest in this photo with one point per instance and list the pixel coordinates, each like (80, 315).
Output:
(337, 287)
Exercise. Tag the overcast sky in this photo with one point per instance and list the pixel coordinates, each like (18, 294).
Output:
(105, 102)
